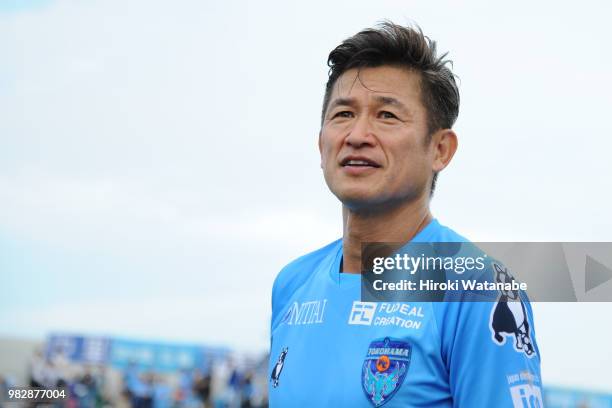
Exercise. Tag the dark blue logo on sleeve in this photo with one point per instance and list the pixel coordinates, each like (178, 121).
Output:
(384, 369)
(509, 317)
(278, 368)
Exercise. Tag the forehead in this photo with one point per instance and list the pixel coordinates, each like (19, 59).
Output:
(400, 83)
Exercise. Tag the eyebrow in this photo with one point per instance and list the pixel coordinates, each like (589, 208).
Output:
(387, 100)
(383, 100)
(341, 102)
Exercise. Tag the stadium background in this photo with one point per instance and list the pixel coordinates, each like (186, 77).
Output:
(158, 166)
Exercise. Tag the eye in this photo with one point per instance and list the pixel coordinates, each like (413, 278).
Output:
(387, 115)
(343, 114)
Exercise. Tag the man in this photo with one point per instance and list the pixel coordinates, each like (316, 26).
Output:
(388, 111)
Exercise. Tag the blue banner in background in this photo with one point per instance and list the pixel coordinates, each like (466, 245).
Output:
(121, 353)
(162, 356)
(80, 349)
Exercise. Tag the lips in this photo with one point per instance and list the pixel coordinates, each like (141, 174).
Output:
(358, 161)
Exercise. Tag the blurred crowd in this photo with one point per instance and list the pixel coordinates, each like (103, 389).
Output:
(228, 382)
(221, 382)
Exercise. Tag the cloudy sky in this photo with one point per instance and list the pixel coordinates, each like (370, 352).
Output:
(158, 160)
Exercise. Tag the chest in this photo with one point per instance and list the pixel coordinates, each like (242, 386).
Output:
(330, 349)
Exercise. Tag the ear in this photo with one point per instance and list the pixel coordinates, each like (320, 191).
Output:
(444, 143)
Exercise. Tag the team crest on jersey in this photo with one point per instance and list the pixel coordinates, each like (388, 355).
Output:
(384, 369)
(509, 317)
(278, 367)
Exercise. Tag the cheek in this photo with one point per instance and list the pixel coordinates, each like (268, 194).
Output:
(324, 152)
(410, 161)
(327, 149)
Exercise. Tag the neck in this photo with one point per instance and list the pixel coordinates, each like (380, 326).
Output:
(399, 225)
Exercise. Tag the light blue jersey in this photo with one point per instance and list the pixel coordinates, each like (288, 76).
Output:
(329, 349)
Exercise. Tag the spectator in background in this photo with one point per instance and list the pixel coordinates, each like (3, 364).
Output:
(4, 385)
(130, 378)
(234, 386)
(246, 390)
(42, 372)
(85, 391)
(138, 387)
(162, 393)
(219, 379)
(185, 387)
(143, 393)
(201, 387)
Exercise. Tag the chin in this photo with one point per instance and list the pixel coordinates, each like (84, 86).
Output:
(370, 201)
(359, 200)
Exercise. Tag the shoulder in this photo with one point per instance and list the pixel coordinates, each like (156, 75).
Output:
(498, 310)
(297, 272)
(446, 234)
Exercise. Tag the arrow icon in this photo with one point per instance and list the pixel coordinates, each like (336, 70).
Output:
(595, 274)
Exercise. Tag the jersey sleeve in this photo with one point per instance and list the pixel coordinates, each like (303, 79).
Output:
(286, 283)
(292, 277)
(491, 354)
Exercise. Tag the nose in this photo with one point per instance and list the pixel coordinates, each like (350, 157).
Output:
(361, 134)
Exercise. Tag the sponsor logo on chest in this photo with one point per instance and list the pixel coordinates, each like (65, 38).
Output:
(309, 312)
(386, 314)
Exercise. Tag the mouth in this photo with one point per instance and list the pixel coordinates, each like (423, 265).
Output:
(359, 162)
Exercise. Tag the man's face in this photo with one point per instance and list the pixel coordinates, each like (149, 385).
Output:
(373, 142)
